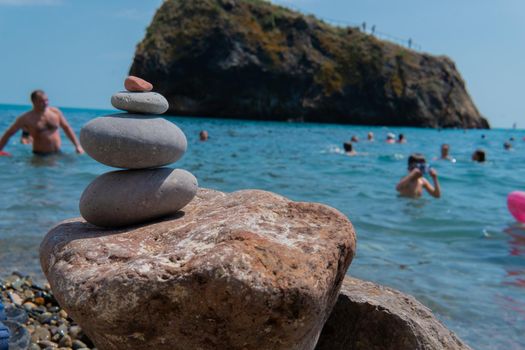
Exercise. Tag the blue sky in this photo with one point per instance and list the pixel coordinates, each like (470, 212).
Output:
(80, 51)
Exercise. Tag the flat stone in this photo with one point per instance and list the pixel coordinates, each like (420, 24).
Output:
(40, 333)
(246, 270)
(129, 197)
(140, 102)
(133, 141)
(371, 316)
(136, 84)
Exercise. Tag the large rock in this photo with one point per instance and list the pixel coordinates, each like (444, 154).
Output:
(140, 102)
(247, 270)
(133, 141)
(368, 316)
(127, 197)
(253, 59)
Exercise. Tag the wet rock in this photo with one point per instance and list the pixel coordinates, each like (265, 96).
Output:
(140, 102)
(128, 197)
(136, 84)
(371, 316)
(246, 270)
(133, 141)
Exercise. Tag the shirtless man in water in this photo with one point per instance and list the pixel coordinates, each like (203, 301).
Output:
(42, 123)
(413, 184)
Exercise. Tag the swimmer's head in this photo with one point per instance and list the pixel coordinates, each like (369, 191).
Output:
(444, 150)
(415, 160)
(390, 136)
(401, 137)
(203, 135)
(354, 139)
(507, 145)
(348, 147)
(370, 136)
(39, 99)
(479, 156)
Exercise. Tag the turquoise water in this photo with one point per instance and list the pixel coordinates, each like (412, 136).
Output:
(462, 255)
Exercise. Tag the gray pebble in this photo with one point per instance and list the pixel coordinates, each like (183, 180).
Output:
(40, 334)
(77, 344)
(140, 102)
(128, 197)
(44, 344)
(75, 332)
(132, 141)
(65, 342)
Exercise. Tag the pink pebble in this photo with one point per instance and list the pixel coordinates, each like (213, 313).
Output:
(135, 84)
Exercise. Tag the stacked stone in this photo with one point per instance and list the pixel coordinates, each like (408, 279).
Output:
(143, 144)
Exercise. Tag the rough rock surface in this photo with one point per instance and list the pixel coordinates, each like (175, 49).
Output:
(133, 141)
(246, 270)
(140, 102)
(251, 59)
(368, 316)
(136, 84)
(127, 197)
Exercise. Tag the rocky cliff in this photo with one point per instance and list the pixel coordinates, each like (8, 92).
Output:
(251, 59)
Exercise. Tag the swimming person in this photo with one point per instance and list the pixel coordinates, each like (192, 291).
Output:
(349, 149)
(203, 135)
(401, 139)
(390, 138)
(370, 136)
(354, 139)
(412, 185)
(445, 150)
(507, 146)
(479, 156)
(42, 123)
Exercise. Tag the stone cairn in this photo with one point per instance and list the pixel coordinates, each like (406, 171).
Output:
(143, 144)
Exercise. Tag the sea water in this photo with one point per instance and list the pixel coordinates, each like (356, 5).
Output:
(462, 255)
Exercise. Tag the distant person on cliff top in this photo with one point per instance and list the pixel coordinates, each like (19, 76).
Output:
(203, 135)
(479, 156)
(412, 185)
(42, 123)
(349, 149)
(370, 136)
(401, 139)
